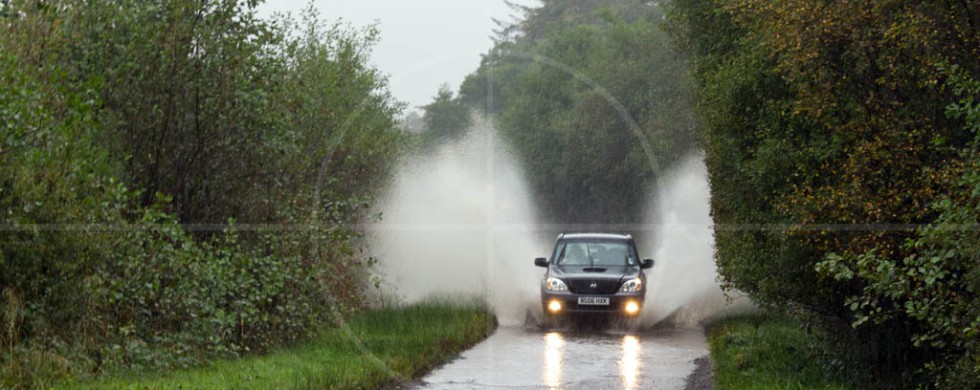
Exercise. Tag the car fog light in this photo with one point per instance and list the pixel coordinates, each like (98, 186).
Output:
(632, 307)
(554, 306)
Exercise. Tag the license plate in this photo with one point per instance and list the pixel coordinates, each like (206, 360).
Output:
(593, 301)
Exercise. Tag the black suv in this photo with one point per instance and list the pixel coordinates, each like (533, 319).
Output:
(597, 273)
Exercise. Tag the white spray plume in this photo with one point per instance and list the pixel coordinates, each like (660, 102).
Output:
(683, 284)
(459, 222)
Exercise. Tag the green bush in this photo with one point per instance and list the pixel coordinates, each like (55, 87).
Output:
(168, 298)
(832, 129)
(179, 181)
(938, 281)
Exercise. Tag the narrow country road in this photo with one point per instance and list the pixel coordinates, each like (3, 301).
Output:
(528, 358)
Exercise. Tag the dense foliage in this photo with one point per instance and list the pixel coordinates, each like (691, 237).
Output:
(594, 102)
(178, 180)
(840, 142)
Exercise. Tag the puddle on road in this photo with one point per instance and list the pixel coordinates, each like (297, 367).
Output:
(532, 358)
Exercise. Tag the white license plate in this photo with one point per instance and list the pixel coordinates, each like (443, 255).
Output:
(593, 301)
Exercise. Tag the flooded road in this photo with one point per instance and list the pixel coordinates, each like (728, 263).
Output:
(461, 221)
(526, 358)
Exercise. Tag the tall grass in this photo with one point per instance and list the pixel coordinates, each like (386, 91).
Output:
(760, 351)
(370, 350)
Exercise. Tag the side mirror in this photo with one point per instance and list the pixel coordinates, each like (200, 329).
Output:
(646, 264)
(541, 262)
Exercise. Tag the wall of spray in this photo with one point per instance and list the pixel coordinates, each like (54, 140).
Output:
(682, 286)
(459, 221)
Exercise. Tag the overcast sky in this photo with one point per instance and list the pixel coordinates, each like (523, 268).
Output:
(424, 43)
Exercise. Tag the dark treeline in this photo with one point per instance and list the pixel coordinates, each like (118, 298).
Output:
(842, 144)
(591, 97)
(126, 122)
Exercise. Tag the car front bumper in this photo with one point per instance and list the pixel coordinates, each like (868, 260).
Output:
(569, 302)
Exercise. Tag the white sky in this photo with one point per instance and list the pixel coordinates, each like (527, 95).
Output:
(424, 43)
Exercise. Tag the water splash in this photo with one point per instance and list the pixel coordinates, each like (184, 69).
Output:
(682, 285)
(459, 221)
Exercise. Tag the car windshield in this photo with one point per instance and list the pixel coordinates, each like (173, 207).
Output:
(597, 254)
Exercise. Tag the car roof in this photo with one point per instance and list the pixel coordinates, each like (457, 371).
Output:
(594, 236)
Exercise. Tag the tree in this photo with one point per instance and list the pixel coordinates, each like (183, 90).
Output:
(181, 180)
(593, 100)
(829, 118)
(413, 123)
(445, 117)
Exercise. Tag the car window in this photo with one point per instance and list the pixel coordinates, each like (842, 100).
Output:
(610, 254)
(597, 254)
(576, 253)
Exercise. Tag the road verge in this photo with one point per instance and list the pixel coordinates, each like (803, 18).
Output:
(376, 348)
(765, 351)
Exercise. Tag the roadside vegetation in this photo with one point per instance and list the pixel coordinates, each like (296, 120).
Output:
(179, 182)
(371, 349)
(842, 141)
(767, 351)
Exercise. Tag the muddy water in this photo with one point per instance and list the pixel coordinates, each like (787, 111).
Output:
(530, 358)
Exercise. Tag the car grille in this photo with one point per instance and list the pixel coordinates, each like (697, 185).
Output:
(584, 286)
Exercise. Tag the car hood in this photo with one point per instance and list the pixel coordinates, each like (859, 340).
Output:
(589, 272)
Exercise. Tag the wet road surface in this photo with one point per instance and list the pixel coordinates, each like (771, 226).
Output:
(528, 358)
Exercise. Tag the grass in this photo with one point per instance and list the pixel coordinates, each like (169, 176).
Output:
(761, 351)
(379, 348)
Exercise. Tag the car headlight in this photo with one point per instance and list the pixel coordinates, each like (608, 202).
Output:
(632, 285)
(555, 284)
